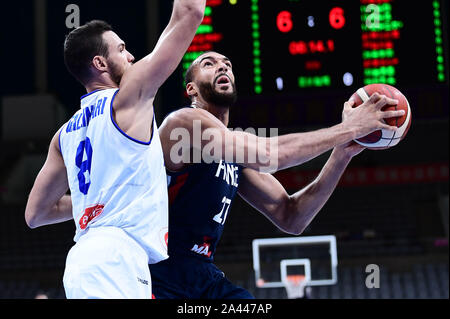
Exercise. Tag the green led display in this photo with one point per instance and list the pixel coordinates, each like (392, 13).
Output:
(383, 21)
(381, 71)
(379, 20)
(439, 41)
(314, 81)
(380, 79)
(378, 54)
(202, 29)
(257, 79)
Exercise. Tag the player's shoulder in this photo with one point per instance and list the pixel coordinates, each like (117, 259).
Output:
(186, 112)
(56, 139)
(185, 116)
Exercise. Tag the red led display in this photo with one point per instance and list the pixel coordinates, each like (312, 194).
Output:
(377, 45)
(337, 19)
(284, 21)
(382, 35)
(375, 63)
(313, 65)
(213, 3)
(311, 47)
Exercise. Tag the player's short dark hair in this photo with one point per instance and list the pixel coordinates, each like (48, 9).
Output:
(190, 74)
(82, 45)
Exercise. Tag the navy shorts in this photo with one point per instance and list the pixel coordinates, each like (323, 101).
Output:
(191, 278)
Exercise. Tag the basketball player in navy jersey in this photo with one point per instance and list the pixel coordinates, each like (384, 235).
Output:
(110, 157)
(201, 194)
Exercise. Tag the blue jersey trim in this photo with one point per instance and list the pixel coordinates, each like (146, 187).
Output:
(59, 139)
(86, 95)
(123, 133)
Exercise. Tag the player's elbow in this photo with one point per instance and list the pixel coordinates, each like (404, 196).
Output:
(297, 231)
(293, 228)
(289, 221)
(32, 215)
(31, 218)
(194, 10)
(197, 12)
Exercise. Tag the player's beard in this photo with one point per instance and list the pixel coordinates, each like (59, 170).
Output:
(216, 98)
(115, 72)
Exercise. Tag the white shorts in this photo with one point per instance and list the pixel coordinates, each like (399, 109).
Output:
(107, 264)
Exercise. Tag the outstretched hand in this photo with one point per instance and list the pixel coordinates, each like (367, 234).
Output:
(369, 117)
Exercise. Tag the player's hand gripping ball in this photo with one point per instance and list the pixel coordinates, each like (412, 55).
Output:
(384, 139)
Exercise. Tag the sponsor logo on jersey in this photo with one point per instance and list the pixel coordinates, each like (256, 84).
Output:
(89, 214)
(203, 249)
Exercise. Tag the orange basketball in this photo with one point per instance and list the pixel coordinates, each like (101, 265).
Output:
(384, 139)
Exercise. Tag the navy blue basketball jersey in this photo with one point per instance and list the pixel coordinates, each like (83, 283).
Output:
(200, 199)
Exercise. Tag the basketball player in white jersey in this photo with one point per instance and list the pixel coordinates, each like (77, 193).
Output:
(109, 155)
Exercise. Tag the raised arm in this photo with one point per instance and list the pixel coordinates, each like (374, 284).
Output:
(209, 136)
(293, 213)
(144, 78)
(47, 202)
(140, 83)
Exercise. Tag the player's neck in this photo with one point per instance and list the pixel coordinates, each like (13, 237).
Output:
(96, 85)
(222, 113)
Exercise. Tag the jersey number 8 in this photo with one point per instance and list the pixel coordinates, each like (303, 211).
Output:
(84, 164)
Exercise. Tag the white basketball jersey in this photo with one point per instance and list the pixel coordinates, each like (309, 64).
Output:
(114, 179)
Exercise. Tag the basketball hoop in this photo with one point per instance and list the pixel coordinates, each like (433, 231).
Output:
(295, 286)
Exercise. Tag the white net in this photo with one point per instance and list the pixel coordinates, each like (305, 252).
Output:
(295, 286)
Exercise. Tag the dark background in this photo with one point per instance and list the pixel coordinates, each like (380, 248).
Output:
(397, 218)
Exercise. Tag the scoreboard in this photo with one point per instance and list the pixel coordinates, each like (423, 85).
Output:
(289, 46)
